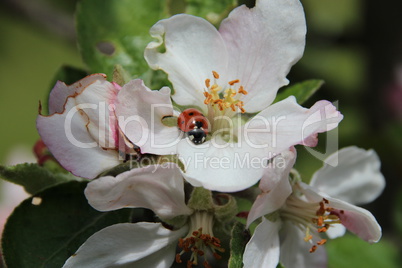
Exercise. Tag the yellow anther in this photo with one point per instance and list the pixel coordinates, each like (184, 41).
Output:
(242, 91)
(232, 106)
(313, 249)
(221, 107)
(234, 82)
(207, 83)
(229, 100)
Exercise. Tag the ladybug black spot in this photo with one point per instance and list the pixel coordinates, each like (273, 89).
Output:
(191, 114)
(198, 124)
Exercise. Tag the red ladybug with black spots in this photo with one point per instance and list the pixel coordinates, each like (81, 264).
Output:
(195, 124)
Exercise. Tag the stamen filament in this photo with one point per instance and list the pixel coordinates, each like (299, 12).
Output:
(199, 240)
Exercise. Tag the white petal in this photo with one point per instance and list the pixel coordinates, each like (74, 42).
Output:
(156, 187)
(222, 167)
(263, 248)
(286, 123)
(194, 48)
(140, 111)
(60, 92)
(278, 169)
(357, 220)
(336, 230)
(128, 245)
(352, 175)
(67, 137)
(263, 43)
(275, 186)
(295, 252)
(272, 199)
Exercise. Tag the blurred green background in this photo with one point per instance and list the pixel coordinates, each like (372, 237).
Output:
(354, 45)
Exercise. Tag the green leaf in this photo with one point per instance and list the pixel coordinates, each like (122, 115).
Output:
(302, 91)
(351, 252)
(34, 178)
(116, 32)
(240, 237)
(45, 235)
(212, 10)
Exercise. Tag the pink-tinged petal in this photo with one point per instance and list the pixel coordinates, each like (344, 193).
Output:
(193, 49)
(67, 137)
(263, 43)
(295, 252)
(357, 220)
(140, 111)
(268, 202)
(60, 92)
(263, 248)
(97, 101)
(156, 187)
(220, 166)
(310, 141)
(352, 175)
(139, 245)
(286, 123)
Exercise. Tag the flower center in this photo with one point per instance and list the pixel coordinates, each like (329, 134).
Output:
(229, 100)
(310, 216)
(200, 240)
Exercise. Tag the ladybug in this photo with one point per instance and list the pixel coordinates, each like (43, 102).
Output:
(195, 124)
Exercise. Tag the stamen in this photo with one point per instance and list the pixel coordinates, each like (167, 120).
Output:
(178, 259)
(215, 86)
(322, 229)
(234, 82)
(196, 244)
(206, 265)
(207, 83)
(229, 100)
(313, 249)
(242, 91)
(311, 216)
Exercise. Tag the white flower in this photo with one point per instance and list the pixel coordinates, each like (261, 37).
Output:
(291, 235)
(81, 130)
(144, 244)
(228, 75)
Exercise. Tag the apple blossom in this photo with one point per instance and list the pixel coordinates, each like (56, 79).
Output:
(232, 76)
(290, 230)
(81, 129)
(188, 226)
